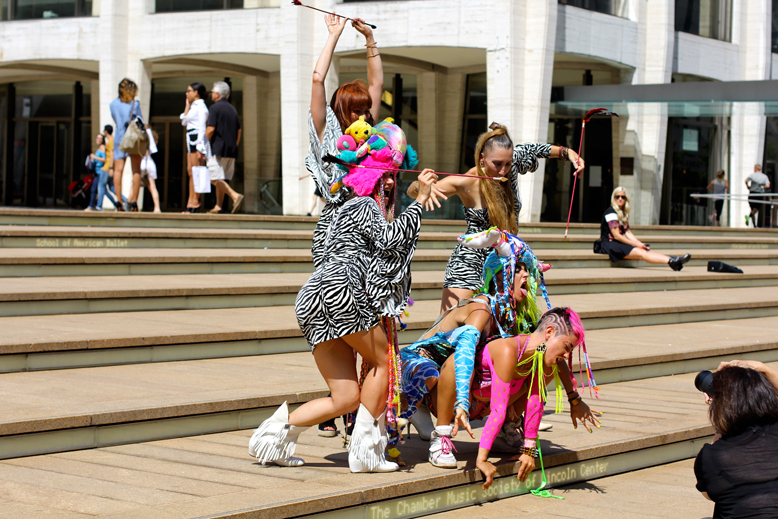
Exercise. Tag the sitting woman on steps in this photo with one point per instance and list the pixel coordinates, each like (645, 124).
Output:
(618, 242)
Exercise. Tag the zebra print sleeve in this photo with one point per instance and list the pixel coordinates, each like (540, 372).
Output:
(525, 159)
(389, 273)
(324, 174)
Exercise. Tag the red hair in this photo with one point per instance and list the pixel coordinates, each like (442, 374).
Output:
(350, 97)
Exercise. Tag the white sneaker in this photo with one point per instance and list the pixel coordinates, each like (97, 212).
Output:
(545, 426)
(442, 448)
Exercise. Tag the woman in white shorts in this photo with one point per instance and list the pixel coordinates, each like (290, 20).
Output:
(148, 175)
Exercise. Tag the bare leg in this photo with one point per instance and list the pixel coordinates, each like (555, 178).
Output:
(335, 360)
(447, 392)
(192, 160)
(219, 196)
(154, 194)
(135, 161)
(223, 187)
(648, 256)
(452, 295)
(314, 204)
(336, 363)
(118, 169)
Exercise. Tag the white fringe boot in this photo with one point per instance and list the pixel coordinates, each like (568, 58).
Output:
(275, 440)
(368, 443)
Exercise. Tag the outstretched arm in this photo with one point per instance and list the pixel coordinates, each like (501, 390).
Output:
(335, 25)
(375, 69)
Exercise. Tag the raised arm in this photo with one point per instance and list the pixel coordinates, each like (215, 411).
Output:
(375, 69)
(335, 25)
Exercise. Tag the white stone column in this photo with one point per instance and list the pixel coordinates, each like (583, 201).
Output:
(251, 139)
(270, 119)
(304, 38)
(94, 107)
(519, 68)
(751, 32)
(656, 40)
(113, 56)
(451, 108)
(427, 92)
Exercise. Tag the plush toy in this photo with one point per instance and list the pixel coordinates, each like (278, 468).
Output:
(360, 130)
(346, 143)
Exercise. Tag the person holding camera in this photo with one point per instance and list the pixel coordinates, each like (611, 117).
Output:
(739, 470)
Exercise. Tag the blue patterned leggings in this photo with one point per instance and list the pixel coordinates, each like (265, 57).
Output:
(417, 369)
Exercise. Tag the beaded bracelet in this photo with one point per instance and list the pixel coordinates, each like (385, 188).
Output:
(532, 452)
(575, 401)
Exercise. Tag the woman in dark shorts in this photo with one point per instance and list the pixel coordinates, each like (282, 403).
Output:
(618, 242)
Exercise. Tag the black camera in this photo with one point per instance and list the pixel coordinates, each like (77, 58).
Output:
(703, 381)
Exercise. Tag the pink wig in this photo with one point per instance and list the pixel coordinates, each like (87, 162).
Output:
(363, 180)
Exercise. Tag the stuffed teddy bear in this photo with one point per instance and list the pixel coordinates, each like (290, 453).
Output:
(360, 130)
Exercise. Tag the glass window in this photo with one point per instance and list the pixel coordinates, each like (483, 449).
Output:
(613, 7)
(709, 18)
(32, 9)
(775, 27)
(44, 99)
(174, 6)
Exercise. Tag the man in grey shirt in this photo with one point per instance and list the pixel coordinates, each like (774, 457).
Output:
(757, 183)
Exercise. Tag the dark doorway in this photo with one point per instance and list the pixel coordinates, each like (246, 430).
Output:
(593, 190)
(687, 170)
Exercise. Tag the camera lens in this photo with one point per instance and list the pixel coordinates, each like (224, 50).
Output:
(703, 381)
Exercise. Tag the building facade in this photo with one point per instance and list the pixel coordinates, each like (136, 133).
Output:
(450, 68)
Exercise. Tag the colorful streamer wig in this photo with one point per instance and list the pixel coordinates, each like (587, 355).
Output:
(509, 250)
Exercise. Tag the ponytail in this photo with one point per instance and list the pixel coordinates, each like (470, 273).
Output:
(498, 196)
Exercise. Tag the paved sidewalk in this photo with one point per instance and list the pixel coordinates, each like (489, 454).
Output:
(666, 491)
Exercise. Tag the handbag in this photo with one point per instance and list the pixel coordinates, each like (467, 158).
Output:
(135, 140)
(597, 248)
(202, 179)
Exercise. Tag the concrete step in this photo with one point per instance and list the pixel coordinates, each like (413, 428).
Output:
(96, 294)
(65, 341)
(25, 262)
(48, 217)
(30, 236)
(159, 400)
(645, 423)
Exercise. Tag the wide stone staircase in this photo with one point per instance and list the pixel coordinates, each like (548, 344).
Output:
(138, 352)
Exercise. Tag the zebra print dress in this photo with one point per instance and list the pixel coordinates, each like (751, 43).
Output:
(324, 174)
(465, 266)
(364, 274)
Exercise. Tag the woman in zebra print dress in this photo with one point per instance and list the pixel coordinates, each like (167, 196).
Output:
(489, 203)
(365, 274)
(326, 123)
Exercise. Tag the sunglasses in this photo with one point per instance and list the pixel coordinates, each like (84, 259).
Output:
(623, 197)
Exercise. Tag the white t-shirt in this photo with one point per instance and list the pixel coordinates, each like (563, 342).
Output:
(758, 182)
(148, 168)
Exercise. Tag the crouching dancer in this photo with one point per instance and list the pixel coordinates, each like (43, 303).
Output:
(365, 275)
(508, 368)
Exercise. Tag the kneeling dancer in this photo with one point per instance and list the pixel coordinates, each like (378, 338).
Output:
(364, 276)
